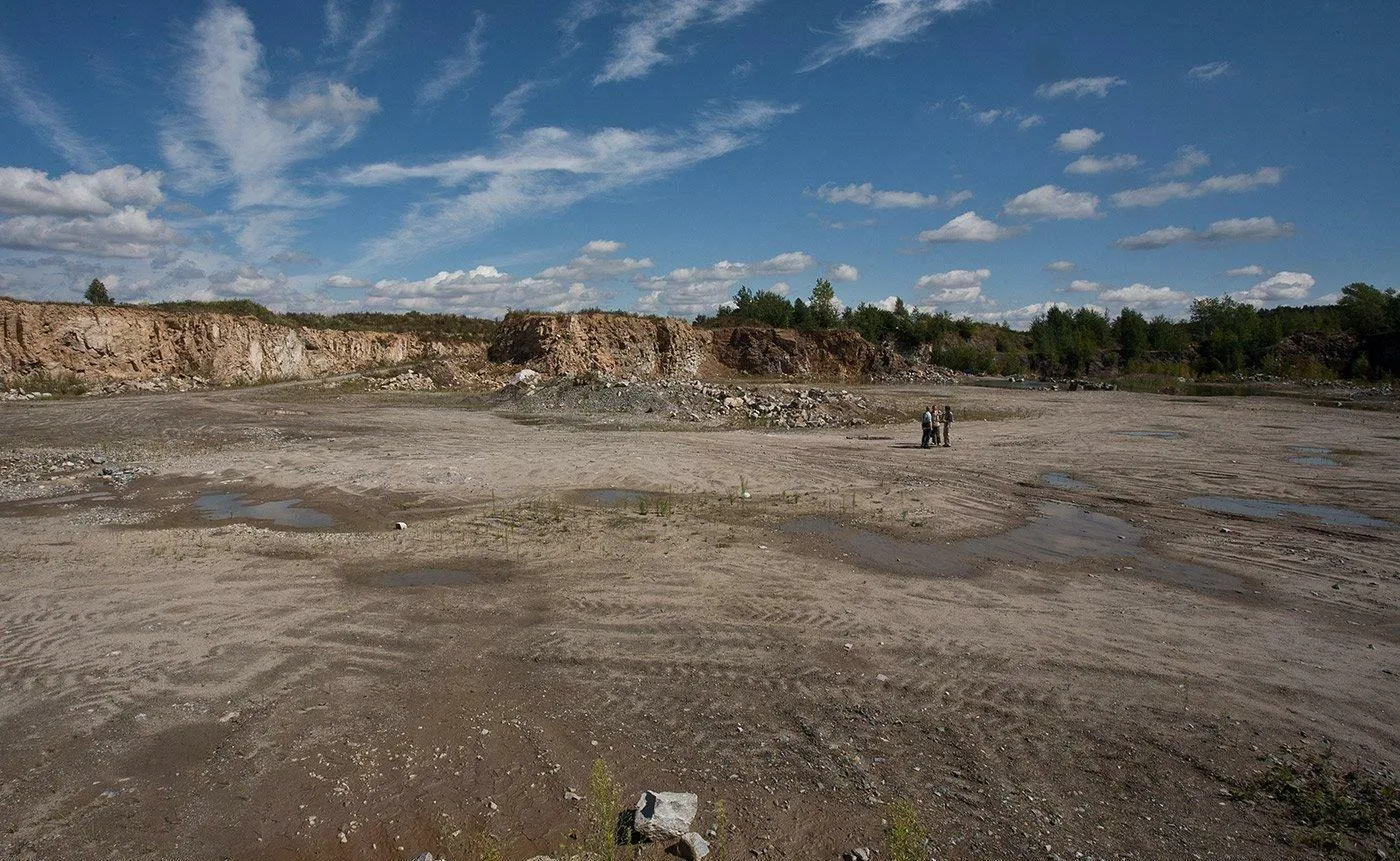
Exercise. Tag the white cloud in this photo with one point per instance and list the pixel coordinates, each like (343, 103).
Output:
(1049, 201)
(362, 53)
(1208, 71)
(335, 22)
(1226, 231)
(35, 109)
(988, 116)
(456, 70)
(866, 195)
(1143, 296)
(881, 24)
(1279, 287)
(968, 227)
(484, 291)
(1328, 299)
(1251, 271)
(1020, 318)
(1079, 87)
(1078, 140)
(601, 246)
(1079, 285)
(842, 272)
(1156, 195)
(510, 110)
(1188, 160)
(956, 287)
(586, 267)
(638, 49)
(549, 169)
(129, 232)
(345, 282)
(1060, 266)
(699, 290)
(782, 288)
(955, 198)
(1030, 121)
(1090, 165)
(24, 191)
(887, 304)
(237, 133)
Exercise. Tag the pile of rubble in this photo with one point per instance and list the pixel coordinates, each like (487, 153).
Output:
(918, 373)
(170, 383)
(408, 381)
(22, 395)
(686, 401)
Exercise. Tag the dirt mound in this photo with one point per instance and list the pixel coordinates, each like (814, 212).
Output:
(102, 345)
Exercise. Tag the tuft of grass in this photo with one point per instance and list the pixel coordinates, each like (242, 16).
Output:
(906, 839)
(1349, 814)
(601, 804)
(719, 846)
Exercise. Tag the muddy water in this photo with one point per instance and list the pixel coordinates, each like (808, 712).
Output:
(426, 577)
(1308, 455)
(1063, 481)
(614, 497)
(283, 512)
(1059, 535)
(1268, 508)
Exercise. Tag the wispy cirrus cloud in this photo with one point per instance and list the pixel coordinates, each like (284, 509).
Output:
(549, 169)
(453, 72)
(377, 26)
(1079, 87)
(1209, 71)
(865, 194)
(881, 24)
(1189, 159)
(988, 116)
(1156, 195)
(41, 113)
(1219, 232)
(639, 45)
(1253, 270)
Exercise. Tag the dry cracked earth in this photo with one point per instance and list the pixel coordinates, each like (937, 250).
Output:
(1077, 633)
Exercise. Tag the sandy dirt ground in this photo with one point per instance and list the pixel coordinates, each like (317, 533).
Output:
(224, 649)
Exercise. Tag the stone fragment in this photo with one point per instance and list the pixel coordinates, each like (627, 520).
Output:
(665, 816)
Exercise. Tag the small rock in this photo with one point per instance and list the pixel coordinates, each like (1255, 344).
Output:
(400, 525)
(692, 847)
(860, 853)
(665, 816)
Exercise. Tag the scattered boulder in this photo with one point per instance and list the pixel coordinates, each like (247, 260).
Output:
(663, 817)
(692, 846)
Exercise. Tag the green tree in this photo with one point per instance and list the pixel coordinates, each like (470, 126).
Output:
(97, 294)
(1130, 330)
(823, 306)
(1366, 310)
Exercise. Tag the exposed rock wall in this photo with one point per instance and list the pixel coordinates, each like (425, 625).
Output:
(650, 348)
(103, 344)
(618, 346)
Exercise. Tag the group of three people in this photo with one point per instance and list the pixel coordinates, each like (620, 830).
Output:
(937, 425)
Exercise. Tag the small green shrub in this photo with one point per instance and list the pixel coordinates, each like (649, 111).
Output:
(906, 839)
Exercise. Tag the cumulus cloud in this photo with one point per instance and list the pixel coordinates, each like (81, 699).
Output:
(968, 227)
(1079, 87)
(1251, 271)
(1208, 71)
(1279, 287)
(24, 191)
(1060, 266)
(1143, 296)
(1020, 318)
(694, 290)
(128, 232)
(588, 267)
(1049, 201)
(842, 272)
(453, 72)
(1226, 231)
(883, 23)
(955, 287)
(346, 282)
(1090, 165)
(1078, 140)
(638, 49)
(1156, 195)
(1079, 285)
(865, 194)
(549, 169)
(601, 246)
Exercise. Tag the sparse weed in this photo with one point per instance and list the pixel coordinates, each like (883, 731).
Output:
(719, 846)
(906, 839)
(601, 804)
(1351, 813)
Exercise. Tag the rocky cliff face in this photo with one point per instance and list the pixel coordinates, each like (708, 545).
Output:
(642, 347)
(648, 348)
(104, 344)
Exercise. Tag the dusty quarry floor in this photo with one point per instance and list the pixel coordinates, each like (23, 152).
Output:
(1029, 635)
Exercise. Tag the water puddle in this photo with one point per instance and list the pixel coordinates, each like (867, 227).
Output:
(426, 577)
(1153, 434)
(1059, 535)
(1063, 481)
(1268, 508)
(1309, 455)
(283, 512)
(94, 496)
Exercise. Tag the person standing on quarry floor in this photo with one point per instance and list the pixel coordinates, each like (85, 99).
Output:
(947, 423)
(928, 423)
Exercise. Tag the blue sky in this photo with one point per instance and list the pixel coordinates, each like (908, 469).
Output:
(984, 157)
